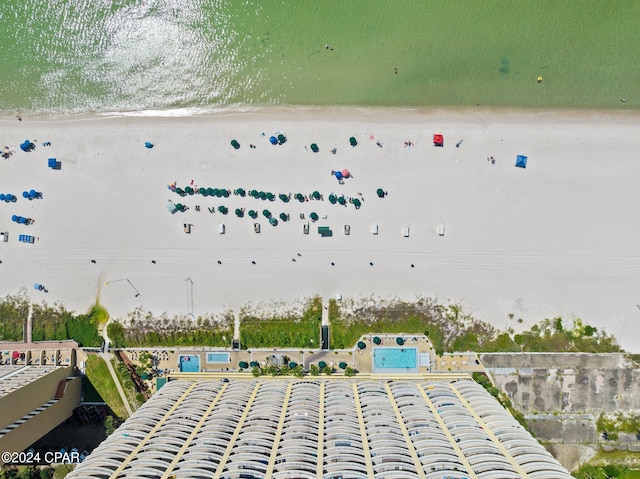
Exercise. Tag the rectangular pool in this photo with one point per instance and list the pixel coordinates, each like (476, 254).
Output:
(395, 360)
(189, 363)
(218, 358)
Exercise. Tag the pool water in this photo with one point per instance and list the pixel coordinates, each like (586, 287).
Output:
(395, 359)
(189, 363)
(218, 358)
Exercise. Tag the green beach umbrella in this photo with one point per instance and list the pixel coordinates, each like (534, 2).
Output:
(284, 217)
(273, 221)
(263, 195)
(342, 365)
(211, 192)
(254, 364)
(239, 213)
(322, 365)
(293, 365)
(333, 199)
(314, 148)
(203, 191)
(235, 144)
(179, 206)
(180, 191)
(214, 192)
(241, 192)
(362, 345)
(282, 139)
(399, 341)
(220, 193)
(223, 209)
(357, 203)
(254, 193)
(342, 200)
(380, 193)
(271, 196)
(188, 190)
(314, 216)
(225, 193)
(283, 197)
(266, 213)
(253, 214)
(300, 197)
(352, 141)
(316, 195)
(377, 340)
(243, 365)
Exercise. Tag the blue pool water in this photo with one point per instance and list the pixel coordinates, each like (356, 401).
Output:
(401, 360)
(218, 358)
(189, 363)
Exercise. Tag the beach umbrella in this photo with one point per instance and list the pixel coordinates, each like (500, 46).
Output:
(314, 216)
(399, 341)
(273, 140)
(357, 203)
(338, 175)
(377, 340)
(34, 194)
(345, 173)
(239, 213)
(188, 190)
(15, 218)
(342, 365)
(361, 345)
(235, 144)
(254, 193)
(342, 200)
(322, 365)
(316, 195)
(263, 195)
(12, 198)
(380, 193)
(282, 139)
(271, 196)
(300, 197)
(179, 207)
(223, 209)
(254, 364)
(352, 141)
(273, 221)
(284, 197)
(25, 194)
(314, 148)
(243, 364)
(180, 191)
(241, 192)
(253, 214)
(284, 217)
(203, 191)
(293, 365)
(333, 199)
(22, 220)
(225, 193)
(266, 213)
(3, 197)
(220, 193)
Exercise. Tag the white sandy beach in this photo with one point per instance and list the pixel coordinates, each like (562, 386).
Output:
(559, 238)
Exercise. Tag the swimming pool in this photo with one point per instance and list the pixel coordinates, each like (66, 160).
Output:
(224, 358)
(189, 363)
(398, 360)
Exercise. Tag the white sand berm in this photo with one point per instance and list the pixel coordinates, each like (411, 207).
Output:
(559, 238)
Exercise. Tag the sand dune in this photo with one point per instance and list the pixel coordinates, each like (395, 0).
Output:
(557, 238)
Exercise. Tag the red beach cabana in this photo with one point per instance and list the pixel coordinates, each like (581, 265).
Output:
(438, 140)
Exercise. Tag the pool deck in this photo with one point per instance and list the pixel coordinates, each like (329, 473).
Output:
(448, 365)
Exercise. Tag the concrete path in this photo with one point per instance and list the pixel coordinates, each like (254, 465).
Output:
(107, 359)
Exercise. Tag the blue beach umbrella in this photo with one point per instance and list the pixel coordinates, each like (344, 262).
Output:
(34, 194)
(338, 174)
(3, 197)
(273, 140)
(15, 218)
(25, 194)
(22, 220)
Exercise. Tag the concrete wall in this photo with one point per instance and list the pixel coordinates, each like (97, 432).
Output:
(32, 430)
(24, 400)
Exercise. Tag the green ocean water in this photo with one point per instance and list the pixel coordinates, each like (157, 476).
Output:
(71, 56)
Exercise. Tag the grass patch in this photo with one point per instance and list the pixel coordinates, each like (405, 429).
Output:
(135, 398)
(295, 328)
(98, 373)
(345, 334)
